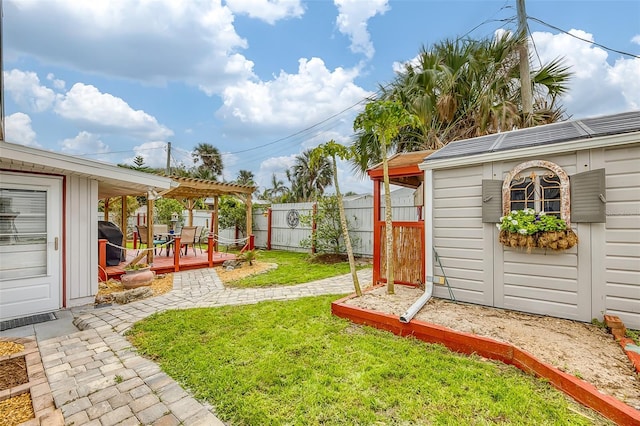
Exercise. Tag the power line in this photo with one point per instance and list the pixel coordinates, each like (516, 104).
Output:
(540, 21)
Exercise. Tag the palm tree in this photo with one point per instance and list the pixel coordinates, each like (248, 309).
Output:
(466, 88)
(246, 177)
(309, 180)
(277, 190)
(210, 160)
(384, 120)
(332, 149)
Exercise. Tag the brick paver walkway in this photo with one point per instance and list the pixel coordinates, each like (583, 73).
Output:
(98, 379)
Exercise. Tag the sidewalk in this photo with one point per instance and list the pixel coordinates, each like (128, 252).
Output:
(98, 379)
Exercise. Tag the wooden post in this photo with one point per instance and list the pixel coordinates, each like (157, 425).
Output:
(210, 249)
(190, 205)
(215, 220)
(123, 219)
(149, 230)
(176, 254)
(376, 232)
(249, 215)
(314, 213)
(269, 228)
(102, 259)
(106, 209)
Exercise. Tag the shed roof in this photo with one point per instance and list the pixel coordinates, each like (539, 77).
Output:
(403, 168)
(112, 180)
(549, 134)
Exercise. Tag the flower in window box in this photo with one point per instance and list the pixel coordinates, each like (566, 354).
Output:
(527, 229)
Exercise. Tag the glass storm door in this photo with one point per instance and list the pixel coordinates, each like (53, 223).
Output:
(30, 245)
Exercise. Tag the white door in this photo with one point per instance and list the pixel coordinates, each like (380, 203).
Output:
(30, 245)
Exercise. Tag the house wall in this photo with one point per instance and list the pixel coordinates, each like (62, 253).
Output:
(601, 274)
(81, 240)
(458, 234)
(622, 248)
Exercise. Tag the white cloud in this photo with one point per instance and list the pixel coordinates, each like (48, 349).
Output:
(352, 21)
(292, 100)
(18, 130)
(84, 142)
(57, 83)
(269, 11)
(25, 89)
(105, 113)
(153, 42)
(154, 154)
(597, 87)
(636, 39)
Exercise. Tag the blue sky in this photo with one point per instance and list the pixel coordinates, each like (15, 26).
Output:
(263, 80)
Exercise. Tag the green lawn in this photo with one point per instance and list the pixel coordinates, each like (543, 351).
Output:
(293, 268)
(293, 363)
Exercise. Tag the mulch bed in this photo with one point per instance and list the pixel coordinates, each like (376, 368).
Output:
(13, 372)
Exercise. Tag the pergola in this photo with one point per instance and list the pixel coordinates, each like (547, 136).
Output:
(188, 191)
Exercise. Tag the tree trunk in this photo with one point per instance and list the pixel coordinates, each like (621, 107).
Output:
(345, 231)
(388, 222)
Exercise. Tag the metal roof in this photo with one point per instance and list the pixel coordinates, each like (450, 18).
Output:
(541, 135)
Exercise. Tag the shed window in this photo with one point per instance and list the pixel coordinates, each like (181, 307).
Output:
(538, 185)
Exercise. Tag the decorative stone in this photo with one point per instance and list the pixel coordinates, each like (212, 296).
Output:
(231, 264)
(132, 295)
(135, 279)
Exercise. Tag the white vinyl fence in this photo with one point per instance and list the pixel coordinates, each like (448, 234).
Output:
(287, 232)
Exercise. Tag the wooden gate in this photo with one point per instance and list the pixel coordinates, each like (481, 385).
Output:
(408, 253)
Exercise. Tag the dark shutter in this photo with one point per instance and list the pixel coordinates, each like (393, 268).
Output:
(491, 201)
(588, 197)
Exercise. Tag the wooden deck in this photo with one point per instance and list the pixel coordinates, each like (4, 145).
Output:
(163, 264)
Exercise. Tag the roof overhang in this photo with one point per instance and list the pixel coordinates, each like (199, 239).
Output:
(403, 169)
(558, 148)
(113, 181)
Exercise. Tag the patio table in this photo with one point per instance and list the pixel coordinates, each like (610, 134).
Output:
(167, 237)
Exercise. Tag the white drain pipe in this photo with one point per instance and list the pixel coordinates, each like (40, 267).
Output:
(418, 304)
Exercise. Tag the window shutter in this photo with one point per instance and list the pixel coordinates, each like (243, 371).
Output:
(491, 200)
(588, 197)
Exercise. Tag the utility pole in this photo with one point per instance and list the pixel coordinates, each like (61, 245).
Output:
(168, 169)
(525, 76)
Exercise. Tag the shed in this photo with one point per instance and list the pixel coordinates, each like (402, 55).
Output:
(49, 226)
(585, 171)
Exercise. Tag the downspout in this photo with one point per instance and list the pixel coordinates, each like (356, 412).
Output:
(418, 304)
(428, 221)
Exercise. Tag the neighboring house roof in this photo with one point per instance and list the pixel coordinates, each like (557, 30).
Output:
(112, 180)
(540, 139)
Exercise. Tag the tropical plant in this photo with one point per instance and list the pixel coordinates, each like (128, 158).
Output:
(332, 149)
(232, 213)
(466, 88)
(245, 177)
(166, 207)
(277, 190)
(309, 180)
(384, 120)
(209, 161)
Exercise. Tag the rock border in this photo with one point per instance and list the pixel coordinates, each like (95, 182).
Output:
(42, 403)
(617, 328)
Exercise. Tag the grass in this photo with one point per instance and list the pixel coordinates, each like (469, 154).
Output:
(293, 363)
(634, 335)
(293, 268)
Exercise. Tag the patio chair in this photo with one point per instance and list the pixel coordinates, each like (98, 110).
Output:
(188, 238)
(160, 229)
(201, 236)
(142, 234)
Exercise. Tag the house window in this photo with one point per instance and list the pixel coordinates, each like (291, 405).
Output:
(538, 185)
